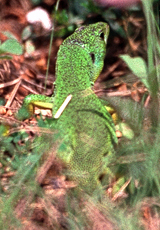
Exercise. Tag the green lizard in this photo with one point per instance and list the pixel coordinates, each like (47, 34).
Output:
(85, 124)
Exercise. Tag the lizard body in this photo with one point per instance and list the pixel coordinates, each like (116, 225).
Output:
(85, 123)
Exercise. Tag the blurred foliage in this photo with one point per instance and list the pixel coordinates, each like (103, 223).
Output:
(13, 148)
(87, 11)
(10, 46)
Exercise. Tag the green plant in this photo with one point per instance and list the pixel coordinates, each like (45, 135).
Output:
(10, 46)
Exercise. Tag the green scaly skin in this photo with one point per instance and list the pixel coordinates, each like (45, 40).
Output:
(86, 126)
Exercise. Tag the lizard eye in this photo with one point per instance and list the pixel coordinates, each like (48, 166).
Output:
(93, 57)
(102, 35)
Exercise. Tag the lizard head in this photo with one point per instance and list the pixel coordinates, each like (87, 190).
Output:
(93, 39)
